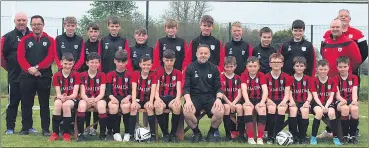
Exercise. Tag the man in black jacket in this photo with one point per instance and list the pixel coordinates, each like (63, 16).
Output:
(264, 50)
(298, 46)
(202, 90)
(9, 45)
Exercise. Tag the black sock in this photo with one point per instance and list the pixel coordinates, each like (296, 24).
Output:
(227, 125)
(175, 122)
(88, 119)
(96, 118)
(166, 121)
(115, 119)
(56, 123)
(270, 123)
(333, 123)
(279, 124)
(328, 129)
(109, 122)
(241, 125)
(102, 121)
(161, 120)
(345, 125)
(126, 122)
(292, 121)
(304, 123)
(132, 124)
(66, 122)
(196, 130)
(80, 121)
(212, 130)
(314, 129)
(353, 126)
(151, 120)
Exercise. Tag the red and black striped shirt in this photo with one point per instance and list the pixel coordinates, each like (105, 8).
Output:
(300, 89)
(119, 84)
(345, 86)
(277, 86)
(168, 82)
(230, 86)
(323, 89)
(92, 85)
(66, 84)
(144, 85)
(254, 89)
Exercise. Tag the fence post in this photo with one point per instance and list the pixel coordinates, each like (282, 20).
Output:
(147, 16)
(57, 32)
(312, 33)
(229, 31)
(62, 24)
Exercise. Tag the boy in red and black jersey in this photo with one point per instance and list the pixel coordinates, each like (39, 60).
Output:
(299, 101)
(323, 89)
(168, 94)
(255, 93)
(231, 86)
(347, 86)
(279, 84)
(93, 83)
(66, 83)
(143, 93)
(118, 93)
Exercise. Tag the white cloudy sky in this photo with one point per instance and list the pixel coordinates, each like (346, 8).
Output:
(259, 13)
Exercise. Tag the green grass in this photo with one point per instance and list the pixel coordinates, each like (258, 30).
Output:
(40, 141)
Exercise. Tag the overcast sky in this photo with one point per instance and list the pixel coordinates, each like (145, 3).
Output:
(258, 13)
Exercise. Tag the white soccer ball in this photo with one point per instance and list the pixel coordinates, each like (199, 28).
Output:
(284, 138)
(142, 134)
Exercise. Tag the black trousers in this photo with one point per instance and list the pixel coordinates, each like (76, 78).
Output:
(29, 85)
(14, 98)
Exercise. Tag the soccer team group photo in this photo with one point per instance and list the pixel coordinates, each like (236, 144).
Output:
(256, 95)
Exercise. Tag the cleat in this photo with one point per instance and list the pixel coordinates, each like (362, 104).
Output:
(251, 141)
(66, 137)
(54, 137)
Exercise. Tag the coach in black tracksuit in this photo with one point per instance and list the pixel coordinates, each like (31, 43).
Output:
(9, 52)
(241, 50)
(35, 56)
(73, 44)
(109, 45)
(202, 90)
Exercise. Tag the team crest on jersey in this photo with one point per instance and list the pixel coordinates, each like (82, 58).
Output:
(289, 48)
(178, 48)
(230, 51)
(257, 80)
(149, 82)
(97, 81)
(303, 48)
(62, 45)
(259, 56)
(304, 83)
(196, 75)
(235, 82)
(30, 44)
(329, 86)
(339, 49)
(270, 83)
(18, 39)
(350, 36)
(174, 77)
(281, 81)
(106, 45)
(134, 54)
(126, 79)
(350, 82)
(114, 80)
(75, 47)
(120, 48)
(243, 52)
(71, 80)
(164, 47)
(44, 43)
(212, 47)
(87, 51)
(210, 75)
(85, 82)
(248, 81)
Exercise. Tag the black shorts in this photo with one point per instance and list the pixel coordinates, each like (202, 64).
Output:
(241, 101)
(119, 98)
(255, 101)
(166, 100)
(332, 105)
(75, 105)
(203, 102)
(348, 102)
(277, 102)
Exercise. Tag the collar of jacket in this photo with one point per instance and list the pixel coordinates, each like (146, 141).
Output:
(292, 41)
(114, 37)
(20, 32)
(89, 41)
(69, 38)
(204, 37)
(173, 38)
(144, 45)
(237, 42)
(43, 34)
(338, 38)
(264, 47)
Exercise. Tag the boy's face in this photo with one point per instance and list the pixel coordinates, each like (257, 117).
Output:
(171, 31)
(323, 70)
(229, 68)
(67, 65)
(93, 64)
(276, 63)
(146, 66)
(298, 33)
(253, 67)
(343, 68)
(266, 38)
(114, 29)
(70, 28)
(93, 34)
(206, 28)
(120, 65)
(299, 68)
(141, 38)
(237, 32)
(169, 62)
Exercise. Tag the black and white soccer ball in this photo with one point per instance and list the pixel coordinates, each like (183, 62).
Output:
(142, 134)
(284, 138)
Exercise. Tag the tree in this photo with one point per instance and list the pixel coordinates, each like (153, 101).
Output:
(186, 11)
(281, 36)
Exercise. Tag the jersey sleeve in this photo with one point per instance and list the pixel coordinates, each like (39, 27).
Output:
(334, 83)
(77, 78)
(238, 82)
(109, 78)
(179, 76)
(153, 77)
(313, 85)
(262, 78)
(55, 80)
(243, 77)
(135, 75)
(103, 78)
(289, 80)
(356, 81)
